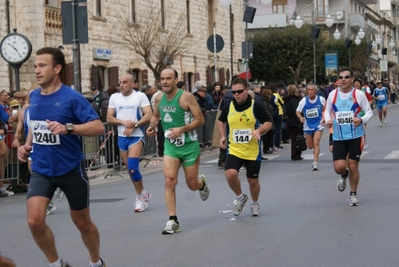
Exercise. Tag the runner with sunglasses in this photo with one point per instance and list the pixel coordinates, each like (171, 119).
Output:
(247, 121)
(343, 114)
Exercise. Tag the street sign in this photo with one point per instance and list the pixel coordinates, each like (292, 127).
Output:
(250, 50)
(82, 29)
(383, 65)
(219, 43)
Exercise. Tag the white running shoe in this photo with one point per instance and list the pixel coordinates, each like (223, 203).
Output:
(239, 205)
(51, 208)
(314, 166)
(204, 193)
(353, 201)
(147, 197)
(365, 145)
(59, 194)
(171, 228)
(380, 123)
(140, 205)
(255, 210)
(5, 193)
(341, 184)
(385, 121)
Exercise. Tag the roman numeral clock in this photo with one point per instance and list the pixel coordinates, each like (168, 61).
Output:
(16, 49)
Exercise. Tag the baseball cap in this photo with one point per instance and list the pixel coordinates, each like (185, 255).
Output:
(14, 103)
(200, 86)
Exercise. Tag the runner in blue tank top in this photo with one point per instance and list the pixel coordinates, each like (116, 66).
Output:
(343, 114)
(310, 113)
(381, 96)
(58, 117)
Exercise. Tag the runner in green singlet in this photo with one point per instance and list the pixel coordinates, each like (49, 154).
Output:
(180, 116)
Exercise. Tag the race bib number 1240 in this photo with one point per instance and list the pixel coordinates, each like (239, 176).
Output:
(42, 135)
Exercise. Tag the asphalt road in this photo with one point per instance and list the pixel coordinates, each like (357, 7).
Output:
(306, 221)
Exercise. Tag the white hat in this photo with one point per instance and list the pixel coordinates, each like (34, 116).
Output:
(199, 85)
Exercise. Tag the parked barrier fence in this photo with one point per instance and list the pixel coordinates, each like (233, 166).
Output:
(100, 152)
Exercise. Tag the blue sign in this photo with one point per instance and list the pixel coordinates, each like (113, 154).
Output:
(102, 53)
(331, 63)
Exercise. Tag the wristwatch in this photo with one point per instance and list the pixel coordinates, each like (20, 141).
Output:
(136, 126)
(69, 127)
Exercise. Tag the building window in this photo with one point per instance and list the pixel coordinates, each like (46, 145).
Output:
(321, 9)
(98, 8)
(133, 11)
(279, 9)
(279, 6)
(188, 16)
(163, 14)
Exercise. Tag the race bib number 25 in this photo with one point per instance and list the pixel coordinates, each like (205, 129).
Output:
(179, 141)
(42, 135)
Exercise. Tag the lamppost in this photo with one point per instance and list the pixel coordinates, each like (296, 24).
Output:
(226, 4)
(348, 41)
(315, 30)
(384, 51)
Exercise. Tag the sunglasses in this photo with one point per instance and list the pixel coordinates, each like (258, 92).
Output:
(344, 77)
(237, 92)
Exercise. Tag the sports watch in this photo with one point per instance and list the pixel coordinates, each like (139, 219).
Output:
(69, 127)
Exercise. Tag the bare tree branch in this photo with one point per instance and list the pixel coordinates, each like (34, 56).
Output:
(153, 45)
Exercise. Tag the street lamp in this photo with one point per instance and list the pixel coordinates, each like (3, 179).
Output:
(348, 41)
(299, 23)
(226, 4)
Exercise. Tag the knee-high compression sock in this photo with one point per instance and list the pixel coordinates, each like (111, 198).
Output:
(133, 166)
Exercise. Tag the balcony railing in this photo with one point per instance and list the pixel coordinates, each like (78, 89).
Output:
(52, 20)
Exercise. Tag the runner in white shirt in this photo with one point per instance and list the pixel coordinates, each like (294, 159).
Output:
(130, 110)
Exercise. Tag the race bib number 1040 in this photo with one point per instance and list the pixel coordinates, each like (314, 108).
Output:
(42, 135)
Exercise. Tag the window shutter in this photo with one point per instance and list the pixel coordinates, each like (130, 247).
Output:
(196, 77)
(94, 76)
(209, 76)
(113, 75)
(144, 77)
(222, 78)
(69, 74)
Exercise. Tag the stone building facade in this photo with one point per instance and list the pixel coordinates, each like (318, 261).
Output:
(41, 22)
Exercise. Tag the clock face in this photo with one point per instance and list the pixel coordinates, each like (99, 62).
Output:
(15, 48)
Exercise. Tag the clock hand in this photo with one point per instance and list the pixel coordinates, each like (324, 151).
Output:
(16, 50)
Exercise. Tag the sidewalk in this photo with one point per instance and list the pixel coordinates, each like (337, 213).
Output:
(147, 165)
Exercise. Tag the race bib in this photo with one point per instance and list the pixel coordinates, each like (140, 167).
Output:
(242, 136)
(42, 135)
(344, 117)
(312, 113)
(381, 97)
(179, 141)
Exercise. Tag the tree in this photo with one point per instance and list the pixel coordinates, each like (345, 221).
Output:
(277, 50)
(296, 72)
(154, 45)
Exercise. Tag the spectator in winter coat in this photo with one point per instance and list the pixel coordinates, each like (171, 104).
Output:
(291, 103)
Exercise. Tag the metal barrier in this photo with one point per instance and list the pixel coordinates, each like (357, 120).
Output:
(100, 151)
(205, 133)
(11, 169)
